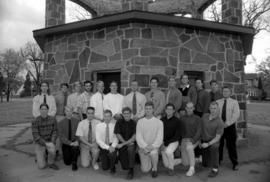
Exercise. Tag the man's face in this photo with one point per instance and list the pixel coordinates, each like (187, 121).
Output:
(44, 111)
(153, 84)
(127, 115)
(226, 92)
(68, 112)
(100, 87)
(213, 109)
(44, 88)
(214, 87)
(199, 84)
(169, 110)
(189, 108)
(113, 87)
(88, 87)
(184, 80)
(64, 89)
(78, 87)
(172, 83)
(149, 110)
(134, 86)
(90, 114)
(107, 117)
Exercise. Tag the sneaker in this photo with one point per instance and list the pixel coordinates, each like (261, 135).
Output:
(74, 167)
(190, 172)
(154, 174)
(130, 174)
(213, 173)
(235, 167)
(95, 166)
(53, 166)
(171, 172)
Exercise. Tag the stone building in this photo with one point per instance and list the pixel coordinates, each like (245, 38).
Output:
(137, 44)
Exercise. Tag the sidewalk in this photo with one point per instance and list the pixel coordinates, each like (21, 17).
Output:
(17, 162)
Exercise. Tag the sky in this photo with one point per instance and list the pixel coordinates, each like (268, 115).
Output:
(18, 18)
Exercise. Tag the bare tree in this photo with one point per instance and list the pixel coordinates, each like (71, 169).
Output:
(10, 63)
(264, 71)
(254, 14)
(78, 13)
(34, 61)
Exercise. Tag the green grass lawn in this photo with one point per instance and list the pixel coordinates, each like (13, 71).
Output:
(16, 111)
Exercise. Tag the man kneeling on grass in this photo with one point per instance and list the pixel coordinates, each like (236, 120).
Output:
(149, 137)
(44, 130)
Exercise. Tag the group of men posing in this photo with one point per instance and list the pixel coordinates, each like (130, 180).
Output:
(106, 128)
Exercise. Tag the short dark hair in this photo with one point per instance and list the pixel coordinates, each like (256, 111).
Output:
(64, 84)
(214, 103)
(48, 85)
(108, 111)
(199, 79)
(44, 105)
(154, 78)
(149, 103)
(226, 87)
(213, 81)
(86, 82)
(126, 109)
(90, 108)
(183, 76)
(170, 105)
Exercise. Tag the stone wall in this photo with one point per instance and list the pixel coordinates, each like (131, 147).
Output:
(141, 51)
(55, 12)
(232, 11)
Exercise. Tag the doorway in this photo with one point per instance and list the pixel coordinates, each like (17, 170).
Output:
(107, 77)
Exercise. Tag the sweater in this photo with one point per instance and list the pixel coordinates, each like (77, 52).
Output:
(191, 127)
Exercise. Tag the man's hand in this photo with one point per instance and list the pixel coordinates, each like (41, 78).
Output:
(74, 144)
(119, 145)
(204, 145)
(226, 125)
(149, 148)
(162, 147)
(111, 149)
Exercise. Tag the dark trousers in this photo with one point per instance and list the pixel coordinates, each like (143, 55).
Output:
(70, 154)
(127, 156)
(230, 136)
(107, 159)
(198, 150)
(210, 156)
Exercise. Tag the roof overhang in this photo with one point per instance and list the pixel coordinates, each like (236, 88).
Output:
(246, 33)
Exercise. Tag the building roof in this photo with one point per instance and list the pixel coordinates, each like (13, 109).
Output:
(246, 33)
(251, 76)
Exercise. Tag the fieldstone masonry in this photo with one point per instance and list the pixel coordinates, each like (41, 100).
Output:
(55, 12)
(232, 11)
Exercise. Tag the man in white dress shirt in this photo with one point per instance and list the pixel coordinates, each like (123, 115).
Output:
(136, 101)
(107, 141)
(84, 100)
(44, 97)
(229, 113)
(113, 101)
(86, 134)
(97, 100)
(72, 101)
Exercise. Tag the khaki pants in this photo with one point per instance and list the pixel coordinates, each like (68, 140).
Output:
(88, 154)
(168, 155)
(187, 152)
(58, 143)
(40, 151)
(146, 159)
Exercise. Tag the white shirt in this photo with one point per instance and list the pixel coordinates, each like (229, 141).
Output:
(84, 101)
(83, 129)
(38, 100)
(101, 134)
(113, 102)
(97, 102)
(140, 102)
(232, 110)
(72, 101)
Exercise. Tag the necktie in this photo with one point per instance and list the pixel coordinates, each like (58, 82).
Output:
(107, 134)
(44, 99)
(168, 96)
(90, 133)
(223, 115)
(69, 130)
(134, 104)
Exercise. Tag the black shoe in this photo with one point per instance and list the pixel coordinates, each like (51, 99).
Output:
(113, 170)
(154, 174)
(235, 167)
(130, 174)
(53, 166)
(171, 172)
(213, 174)
(74, 167)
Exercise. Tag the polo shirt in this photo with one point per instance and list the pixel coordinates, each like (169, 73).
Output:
(211, 128)
(125, 128)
